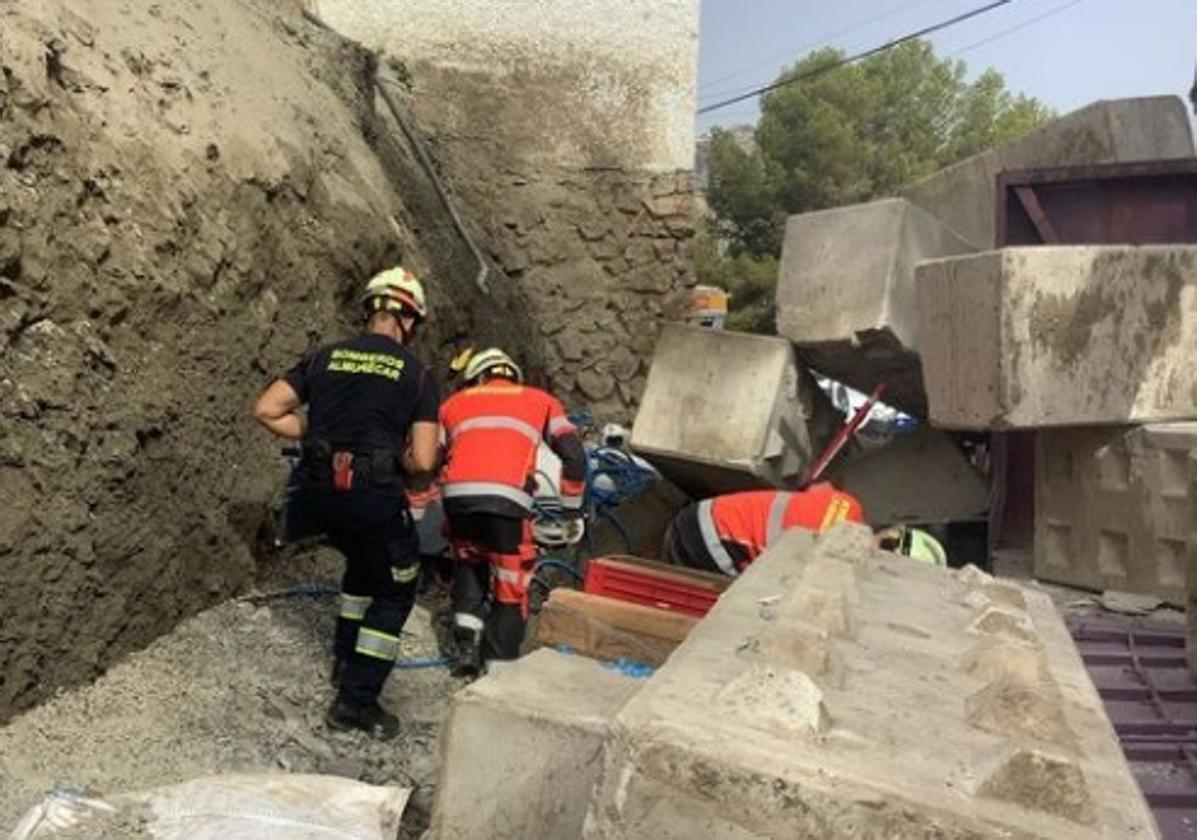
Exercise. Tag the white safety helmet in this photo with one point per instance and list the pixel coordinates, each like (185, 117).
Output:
(492, 360)
(395, 290)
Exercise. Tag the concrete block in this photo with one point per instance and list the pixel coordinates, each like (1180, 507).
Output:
(1112, 508)
(1109, 131)
(948, 489)
(1060, 336)
(920, 729)
(724, 411)
(639, 523)
(520, 750)
(846, 293)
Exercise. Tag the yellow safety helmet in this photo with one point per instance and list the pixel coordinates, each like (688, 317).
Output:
(495, 361)
(915, 543)
(395, 290)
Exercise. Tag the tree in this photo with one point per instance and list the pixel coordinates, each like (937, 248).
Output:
(750, 279)
(854, 133)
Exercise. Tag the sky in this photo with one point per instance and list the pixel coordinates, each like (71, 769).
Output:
(1082, 50)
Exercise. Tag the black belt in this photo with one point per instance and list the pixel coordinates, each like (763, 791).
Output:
(377, 465)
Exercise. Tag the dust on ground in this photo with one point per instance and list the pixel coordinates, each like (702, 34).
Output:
(240, 688)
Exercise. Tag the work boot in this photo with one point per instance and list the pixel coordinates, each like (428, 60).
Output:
(373, 719)
(468, 662)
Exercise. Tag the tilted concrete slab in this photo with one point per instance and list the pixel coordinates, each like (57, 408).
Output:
(1109, 131)
(922, 476)
(842, 693)
(846, 293)
(520, 752)
(725, 411)
(1112, 508)
(1060, 336)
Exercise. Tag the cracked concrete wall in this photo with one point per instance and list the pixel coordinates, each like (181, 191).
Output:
(567, 130)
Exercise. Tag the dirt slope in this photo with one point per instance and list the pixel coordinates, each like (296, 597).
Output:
(190, 194)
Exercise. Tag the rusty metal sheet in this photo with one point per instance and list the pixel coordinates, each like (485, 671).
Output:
(1125, 203)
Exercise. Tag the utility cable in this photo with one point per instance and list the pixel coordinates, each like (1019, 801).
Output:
(817, 42)
(827, 68)
(1016, 28)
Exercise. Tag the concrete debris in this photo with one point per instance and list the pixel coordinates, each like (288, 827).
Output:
(520, 749)
(918, 477)
(1112, 508)
(1060, 336)
(1110, 131)
(1128, 603)
(846, 294)
(1021, 748)
(725, 411)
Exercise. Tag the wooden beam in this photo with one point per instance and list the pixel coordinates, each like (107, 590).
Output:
(604, 628)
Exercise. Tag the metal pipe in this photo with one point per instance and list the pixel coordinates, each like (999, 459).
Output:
(381, 82)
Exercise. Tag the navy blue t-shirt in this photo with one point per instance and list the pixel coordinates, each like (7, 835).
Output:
(364, 393)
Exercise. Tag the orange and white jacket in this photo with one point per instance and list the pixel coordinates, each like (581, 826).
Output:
(491, 433)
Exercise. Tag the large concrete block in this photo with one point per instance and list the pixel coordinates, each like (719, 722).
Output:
(842, 693)
(520, 751)
(1060, 336)
(725, 411)
(1112, 508)
(922, 477)
(1110, 131)
(846, 293)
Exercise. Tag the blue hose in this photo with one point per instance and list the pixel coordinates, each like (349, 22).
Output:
(417, 664)
(550, 563)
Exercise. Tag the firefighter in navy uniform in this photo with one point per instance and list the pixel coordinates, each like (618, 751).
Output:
(493, 428)
(371, 418)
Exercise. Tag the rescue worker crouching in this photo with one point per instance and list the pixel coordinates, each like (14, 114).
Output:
(492, 429)
(727, 533)
(371, 416)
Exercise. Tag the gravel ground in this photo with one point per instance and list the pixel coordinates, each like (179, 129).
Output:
(242, 687)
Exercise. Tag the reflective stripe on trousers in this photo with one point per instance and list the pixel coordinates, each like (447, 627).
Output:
(353, 607)
(377, 644)
(710, 539)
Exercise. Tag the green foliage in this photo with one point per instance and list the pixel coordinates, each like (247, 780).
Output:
(749, 279)
(855, 133)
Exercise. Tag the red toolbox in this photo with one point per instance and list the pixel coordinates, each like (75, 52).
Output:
(654, 584)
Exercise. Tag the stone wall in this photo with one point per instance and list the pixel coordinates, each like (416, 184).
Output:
(566, 130)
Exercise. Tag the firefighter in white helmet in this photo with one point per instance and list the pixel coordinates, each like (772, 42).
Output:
(371, 421)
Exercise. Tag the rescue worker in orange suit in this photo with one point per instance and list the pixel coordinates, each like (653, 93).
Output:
(727, 533)
(492, 430)
(371, 419)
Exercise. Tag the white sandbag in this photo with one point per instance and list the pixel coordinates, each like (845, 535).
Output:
(234, 807)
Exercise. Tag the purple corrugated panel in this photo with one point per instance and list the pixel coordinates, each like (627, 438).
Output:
(1140, 671)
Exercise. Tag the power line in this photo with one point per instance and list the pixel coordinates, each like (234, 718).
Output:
(827, 68)
(831, 36)
(1016, 28)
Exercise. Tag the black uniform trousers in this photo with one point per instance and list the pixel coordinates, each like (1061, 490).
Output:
(373, 528)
